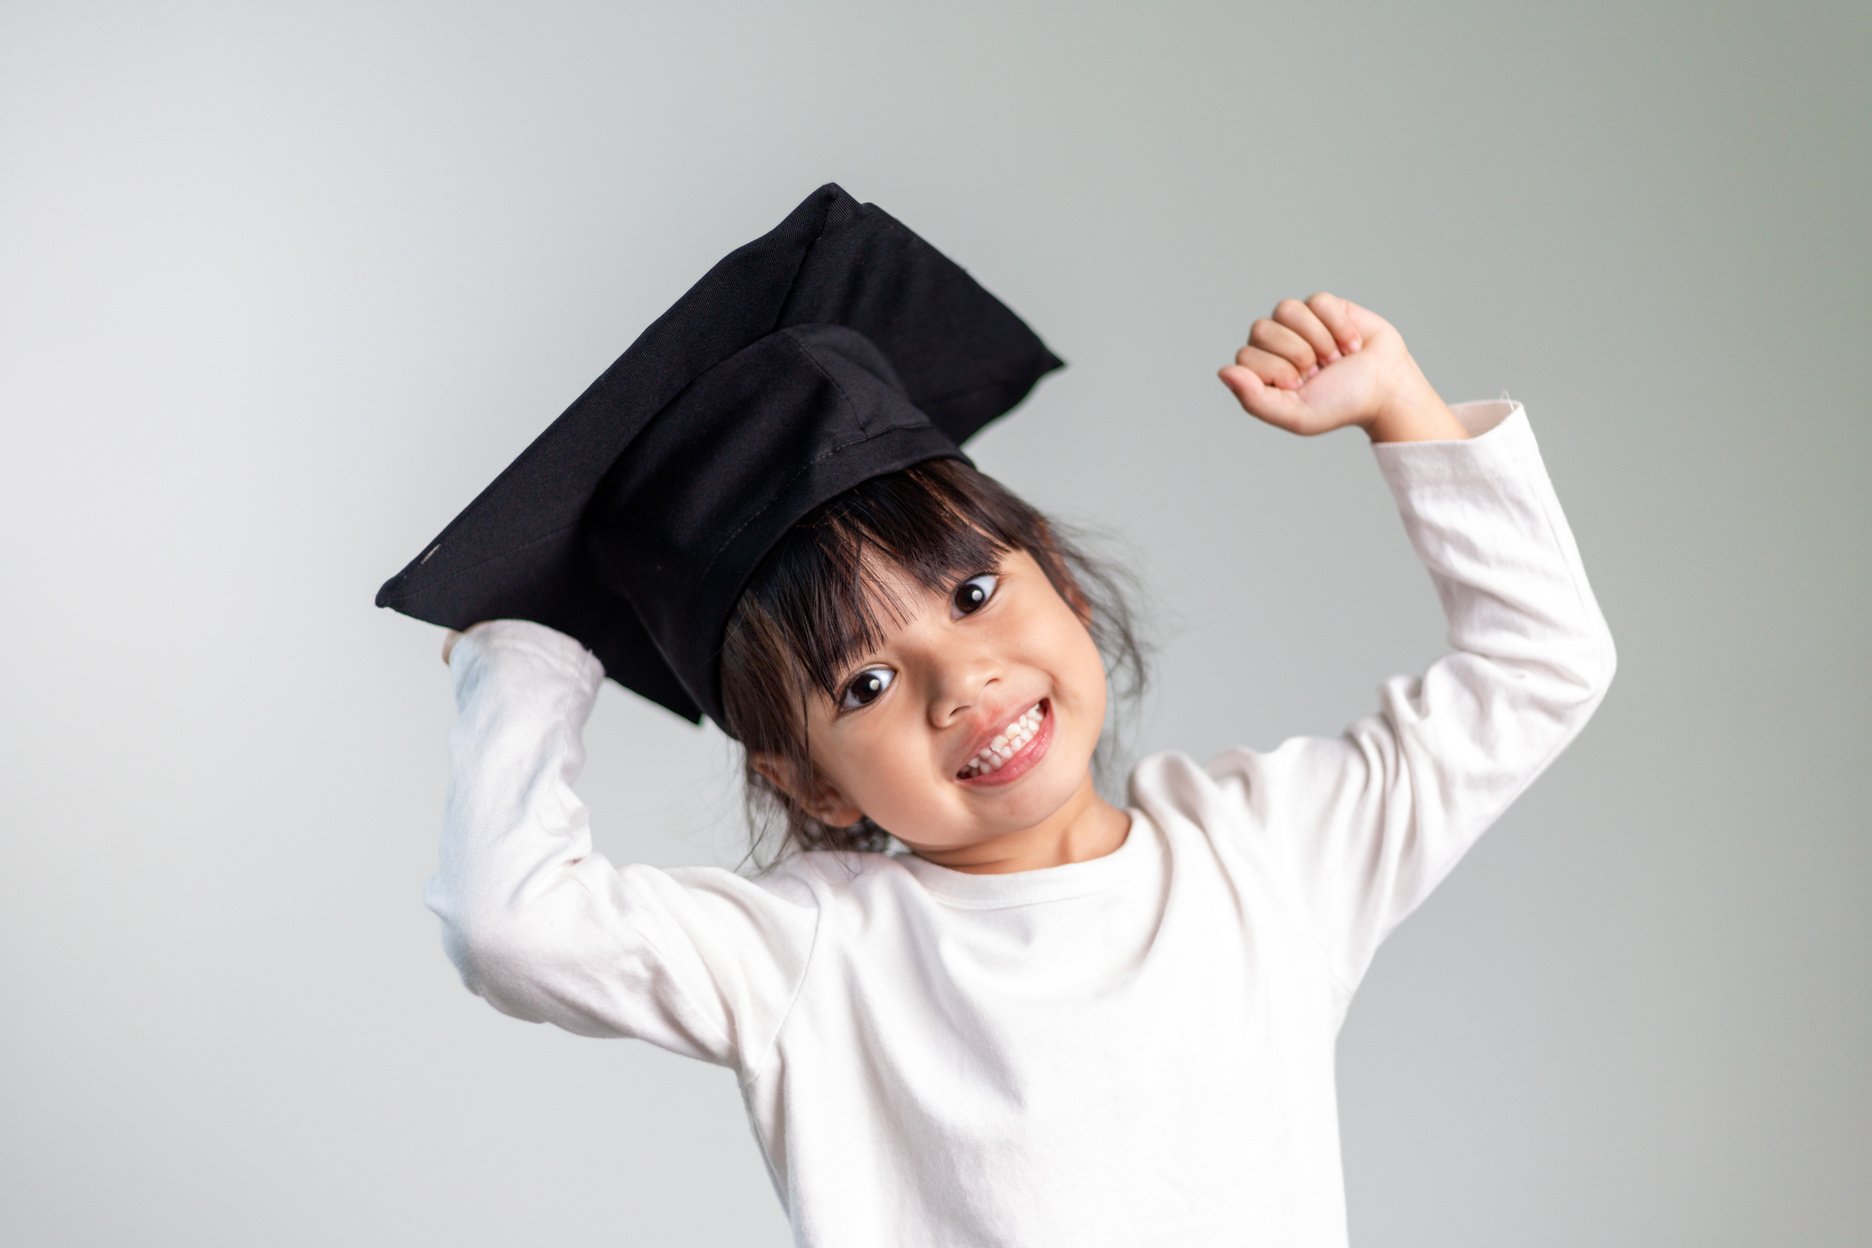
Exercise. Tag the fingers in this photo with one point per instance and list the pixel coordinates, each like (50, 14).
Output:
(1294, 320)
(1282, 355)
(1337, 318)
(1274, 368)
(1301, 338)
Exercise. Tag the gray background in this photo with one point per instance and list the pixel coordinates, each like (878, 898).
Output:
(284, 286)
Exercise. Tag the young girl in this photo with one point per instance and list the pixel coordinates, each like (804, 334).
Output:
(1049, 1020)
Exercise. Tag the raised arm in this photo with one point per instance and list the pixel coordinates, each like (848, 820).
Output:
(696, 960)
(1369, 822)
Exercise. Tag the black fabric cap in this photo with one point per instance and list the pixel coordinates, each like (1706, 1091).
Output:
(836, 347)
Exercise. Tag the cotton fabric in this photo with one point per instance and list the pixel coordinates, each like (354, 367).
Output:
(1136, 1049)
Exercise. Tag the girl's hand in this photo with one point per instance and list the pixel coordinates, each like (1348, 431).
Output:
(1320, 365)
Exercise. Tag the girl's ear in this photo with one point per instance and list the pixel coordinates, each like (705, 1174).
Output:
(822, 802)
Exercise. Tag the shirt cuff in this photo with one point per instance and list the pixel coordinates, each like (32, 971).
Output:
(1500, 441)
(562, 650)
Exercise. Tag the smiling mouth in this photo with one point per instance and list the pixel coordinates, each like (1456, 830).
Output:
(1015, 763)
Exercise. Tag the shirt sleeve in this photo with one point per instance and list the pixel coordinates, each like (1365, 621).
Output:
(697, 960)
(1372, 820)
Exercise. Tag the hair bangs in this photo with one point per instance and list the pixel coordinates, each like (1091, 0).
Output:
(830, 591)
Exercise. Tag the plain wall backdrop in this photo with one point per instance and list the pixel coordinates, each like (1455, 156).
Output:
(285, 285)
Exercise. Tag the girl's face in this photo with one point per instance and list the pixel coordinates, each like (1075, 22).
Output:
(964, 666)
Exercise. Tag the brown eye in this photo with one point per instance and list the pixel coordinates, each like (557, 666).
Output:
(971, 596)
(872, 681)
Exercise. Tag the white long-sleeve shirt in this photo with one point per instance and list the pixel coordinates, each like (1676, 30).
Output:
(1136, 1049)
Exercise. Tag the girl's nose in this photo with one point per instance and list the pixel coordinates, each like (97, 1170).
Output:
(962, 694)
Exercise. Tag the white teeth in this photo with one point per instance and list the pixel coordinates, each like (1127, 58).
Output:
(1006, 744)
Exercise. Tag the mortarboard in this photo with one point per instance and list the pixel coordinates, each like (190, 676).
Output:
(836, 347)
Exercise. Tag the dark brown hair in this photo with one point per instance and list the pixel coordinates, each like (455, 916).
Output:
(807, 612)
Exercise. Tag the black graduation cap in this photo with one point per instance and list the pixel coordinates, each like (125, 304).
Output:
(836, 347)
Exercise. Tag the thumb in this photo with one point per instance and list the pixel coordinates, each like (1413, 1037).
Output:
(1243, 383)
(1275, 406)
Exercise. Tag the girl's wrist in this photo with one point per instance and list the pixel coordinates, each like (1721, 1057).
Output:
(1415, 412)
